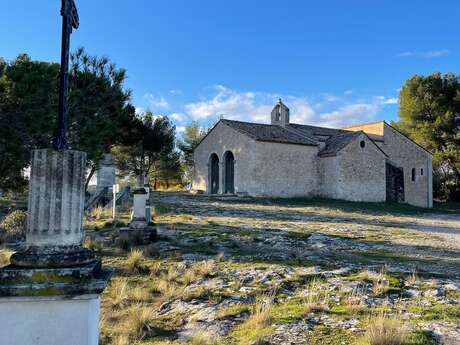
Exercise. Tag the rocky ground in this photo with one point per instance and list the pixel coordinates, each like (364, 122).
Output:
(244, 271)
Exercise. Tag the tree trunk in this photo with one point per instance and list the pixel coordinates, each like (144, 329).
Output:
(91, 173)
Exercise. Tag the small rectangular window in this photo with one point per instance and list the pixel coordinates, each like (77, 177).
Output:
(421, 171)
(413, 174)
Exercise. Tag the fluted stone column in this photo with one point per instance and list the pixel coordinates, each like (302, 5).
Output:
(56, 203)
(56, 198)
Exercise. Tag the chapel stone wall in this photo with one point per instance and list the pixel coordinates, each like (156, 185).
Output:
(220, 140)
(285, 170)
(406, 154)
(361, 172)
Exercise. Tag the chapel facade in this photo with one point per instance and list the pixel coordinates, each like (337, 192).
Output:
(372, 162)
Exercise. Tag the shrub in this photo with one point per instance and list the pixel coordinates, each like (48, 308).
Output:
(123, 242)
(13, 226)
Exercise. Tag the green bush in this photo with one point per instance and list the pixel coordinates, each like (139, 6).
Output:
(13, 226)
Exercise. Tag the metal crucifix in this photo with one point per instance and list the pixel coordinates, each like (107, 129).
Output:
(69, 21)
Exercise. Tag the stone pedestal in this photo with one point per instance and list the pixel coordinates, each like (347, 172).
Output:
(52, 274)
(139, 230)
(32, 320)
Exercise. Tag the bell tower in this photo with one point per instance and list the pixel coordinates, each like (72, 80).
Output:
(280, 114)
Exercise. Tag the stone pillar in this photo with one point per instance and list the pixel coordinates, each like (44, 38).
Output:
(50, 293)
(105, 176)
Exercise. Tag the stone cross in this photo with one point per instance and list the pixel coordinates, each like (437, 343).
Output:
(70, 21)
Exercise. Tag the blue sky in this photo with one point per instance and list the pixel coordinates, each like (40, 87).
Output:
(334, 63)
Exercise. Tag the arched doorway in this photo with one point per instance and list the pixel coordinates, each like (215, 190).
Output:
(214, 174)
(229, 173)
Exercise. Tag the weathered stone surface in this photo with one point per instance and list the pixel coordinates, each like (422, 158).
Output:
(105, 175)
(85, 279)
(56, 201)
(56, 198)
(144, 235)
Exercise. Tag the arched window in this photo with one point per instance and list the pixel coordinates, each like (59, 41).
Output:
(362, 143)
(413, 174)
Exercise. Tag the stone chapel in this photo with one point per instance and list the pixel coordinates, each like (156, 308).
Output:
(370, 162)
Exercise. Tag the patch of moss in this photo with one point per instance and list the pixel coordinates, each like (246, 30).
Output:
(437, 312)
(289, 311)
(233, 310)
(323, 335)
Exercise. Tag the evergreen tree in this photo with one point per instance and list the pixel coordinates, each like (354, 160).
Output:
(430, 115)
(190, 139)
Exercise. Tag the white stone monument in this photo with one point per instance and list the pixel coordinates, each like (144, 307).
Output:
(50, 293)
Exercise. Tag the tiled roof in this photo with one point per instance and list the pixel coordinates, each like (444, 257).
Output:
(336, 143)
(273, 133)
(334, 139)
(318, 132)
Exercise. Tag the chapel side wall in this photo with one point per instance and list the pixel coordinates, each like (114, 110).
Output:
(284, 170)
(328, 171)
(361, 172)
(406, 154)
(221, 139)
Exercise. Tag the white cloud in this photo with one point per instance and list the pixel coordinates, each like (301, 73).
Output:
(139, 110)
(425, 54)
(231, 104)
(180, 129)
(349, 114)
(391, 100)
(156, 102)
(326, 110)
(175, 92)
(179, 117)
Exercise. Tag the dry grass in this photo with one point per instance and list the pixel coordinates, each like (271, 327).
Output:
(117, 293)
(134, 262)
(100, 213)
(380, 284)
(5, 257)
(92, 244)
(385, 331)
(413, 278)
(168, 290)
(354, 302)
(261, 311)
(204, 269)
(140, 295)
(315, 299)
(138, 323)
